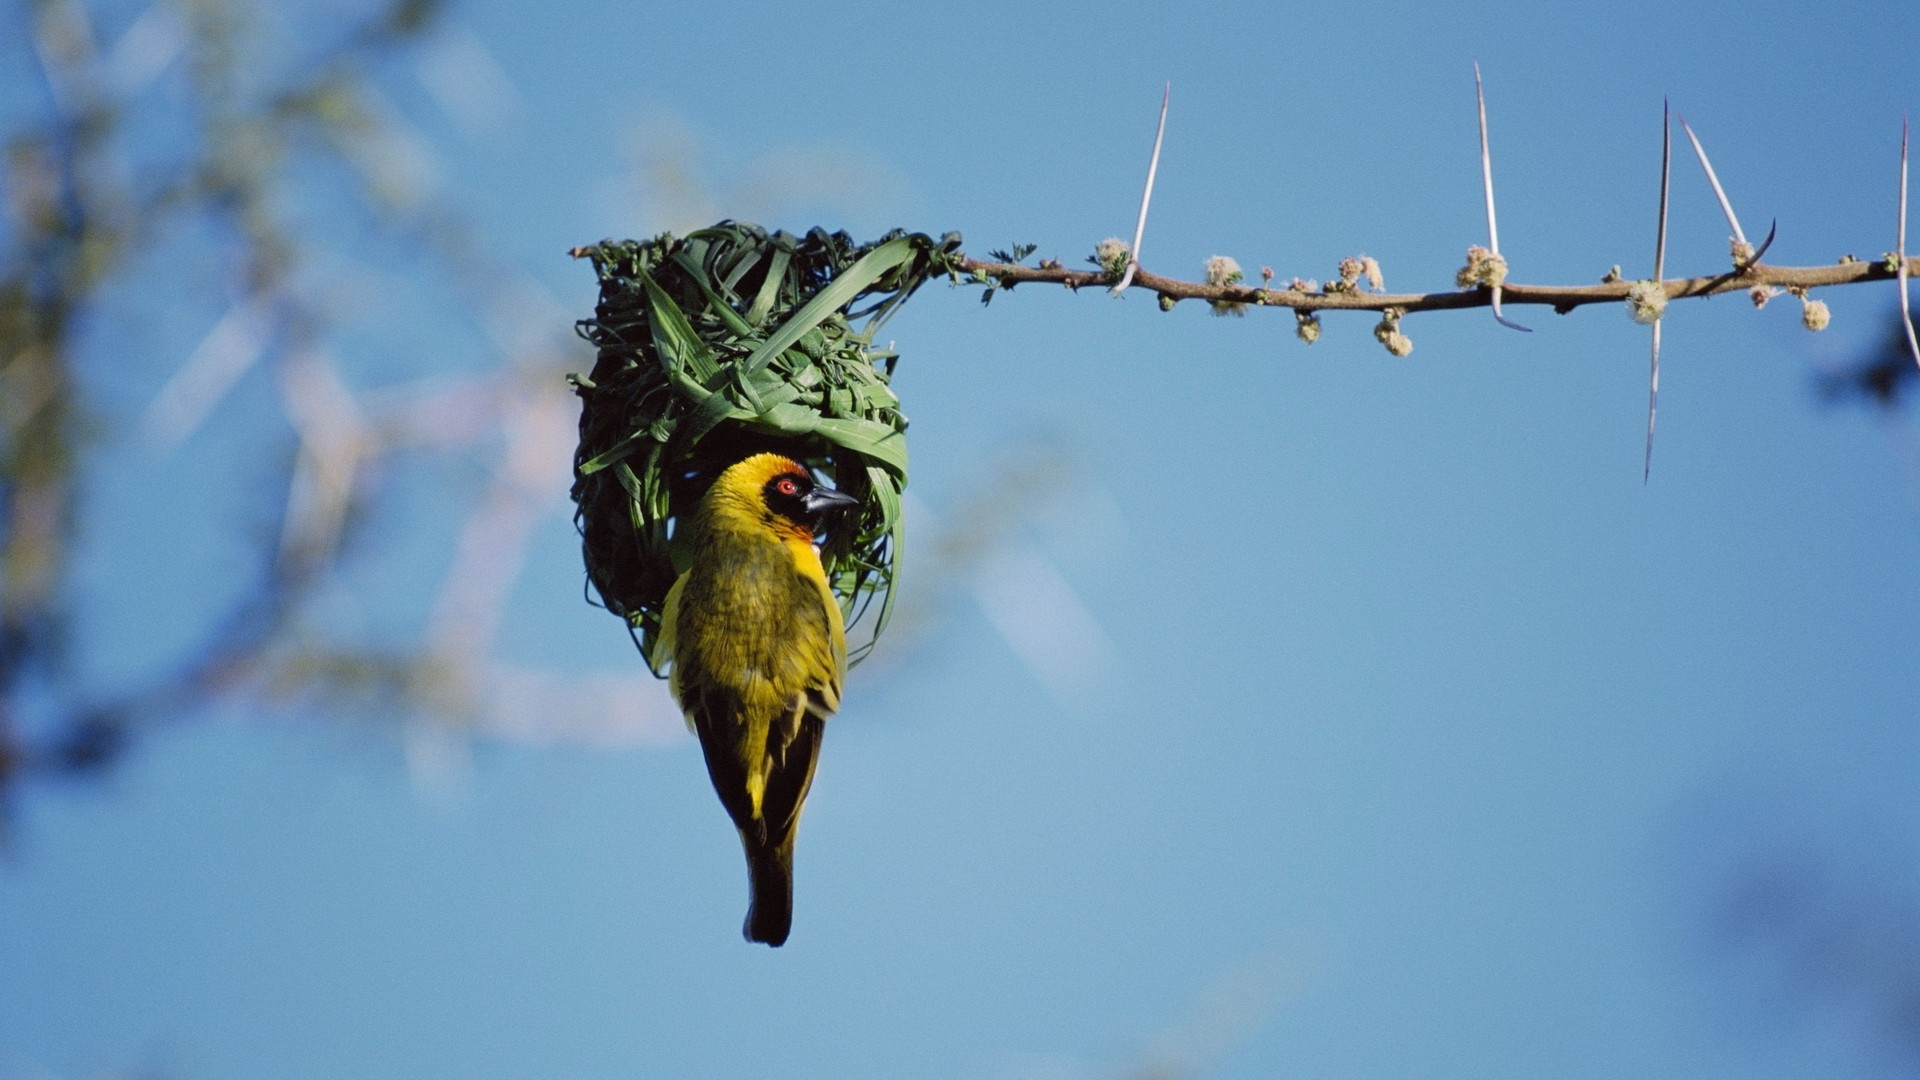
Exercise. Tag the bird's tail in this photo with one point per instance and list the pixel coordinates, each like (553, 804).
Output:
(770, 878)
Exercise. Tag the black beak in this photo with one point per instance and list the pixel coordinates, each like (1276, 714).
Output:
(822, 499)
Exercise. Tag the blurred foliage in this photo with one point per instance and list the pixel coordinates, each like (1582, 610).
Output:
(1825, 938)
(724, 343)
(1883, 377)
(86, 196)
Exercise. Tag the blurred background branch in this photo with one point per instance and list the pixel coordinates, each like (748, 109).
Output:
(92, 197)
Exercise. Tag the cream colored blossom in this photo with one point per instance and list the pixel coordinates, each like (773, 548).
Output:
(1814, 315)
(1387, 332)
(1646, 302)
(1370, 269)
(1222, 270)
(1483, 268)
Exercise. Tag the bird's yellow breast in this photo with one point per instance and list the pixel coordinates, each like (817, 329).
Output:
(755, 615)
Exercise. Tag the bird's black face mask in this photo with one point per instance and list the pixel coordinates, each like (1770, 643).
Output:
(797, 498)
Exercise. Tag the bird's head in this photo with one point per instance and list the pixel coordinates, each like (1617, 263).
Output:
(779, 492)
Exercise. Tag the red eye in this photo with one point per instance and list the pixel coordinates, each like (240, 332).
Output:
(787, 487)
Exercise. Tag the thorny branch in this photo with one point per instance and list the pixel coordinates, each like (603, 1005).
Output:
(1562, 298)
(1483, 281)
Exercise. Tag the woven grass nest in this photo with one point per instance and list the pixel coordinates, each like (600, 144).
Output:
(719, 345)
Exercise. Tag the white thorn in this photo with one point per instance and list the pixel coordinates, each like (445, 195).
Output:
(1906, 305)
(1659, 274)
(1486, 176)
(1653, 404)
(1486, 163)
(1718, 192)
(1153, 166)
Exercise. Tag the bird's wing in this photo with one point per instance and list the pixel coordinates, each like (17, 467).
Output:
(793, 744)
(823, 636)
(790, 774)
(718, 716)
(663, 645)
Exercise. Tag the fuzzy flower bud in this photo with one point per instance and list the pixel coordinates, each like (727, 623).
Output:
(1112, 255)
(1349, 271)
(1814, 314)
(1742, 251)
(1370, 269)
(1760, 294)
(1646, 301)
(1221, 271)
(1266, 273)
(1483, 268)
(1388, 332)
(1167, 302)
(1308, 328)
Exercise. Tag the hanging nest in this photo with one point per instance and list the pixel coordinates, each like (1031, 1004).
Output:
(722, 344)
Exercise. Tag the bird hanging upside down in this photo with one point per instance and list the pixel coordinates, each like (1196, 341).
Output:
(759, 652)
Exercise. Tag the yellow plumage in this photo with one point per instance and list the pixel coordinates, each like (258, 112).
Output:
(758, 653)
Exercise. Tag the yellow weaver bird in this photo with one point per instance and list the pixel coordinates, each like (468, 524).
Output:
(759, 652)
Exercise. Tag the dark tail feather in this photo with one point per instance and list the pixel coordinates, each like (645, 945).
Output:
(770, 876)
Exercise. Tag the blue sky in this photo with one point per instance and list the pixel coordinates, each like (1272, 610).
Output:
(1408, 732)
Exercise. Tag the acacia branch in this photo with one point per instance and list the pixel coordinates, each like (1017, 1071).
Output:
(1562, 298)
